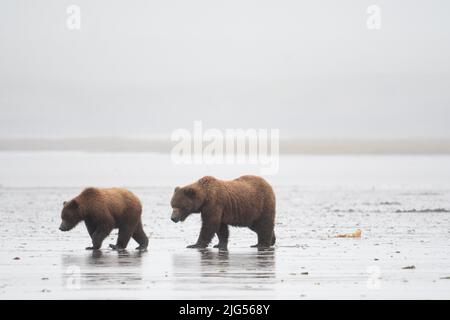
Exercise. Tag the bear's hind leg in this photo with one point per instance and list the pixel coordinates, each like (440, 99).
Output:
(255, 229)
(266, 235)
(223, 234)
(140, 237)
(265, 239)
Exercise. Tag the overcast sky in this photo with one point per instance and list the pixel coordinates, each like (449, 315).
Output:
(310, 68)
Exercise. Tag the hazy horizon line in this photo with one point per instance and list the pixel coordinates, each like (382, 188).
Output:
(286, 145)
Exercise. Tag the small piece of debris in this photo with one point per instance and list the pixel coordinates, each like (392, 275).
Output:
(44, 278)
(409, 267)
(304, 273)
(16, 258)
(446, 278)
(356, 234)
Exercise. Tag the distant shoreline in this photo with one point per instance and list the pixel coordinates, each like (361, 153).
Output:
(287, 146)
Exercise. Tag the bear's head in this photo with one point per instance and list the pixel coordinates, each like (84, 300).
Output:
(185, 201)
(70, 215)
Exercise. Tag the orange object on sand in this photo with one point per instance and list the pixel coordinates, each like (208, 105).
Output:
(356, 234)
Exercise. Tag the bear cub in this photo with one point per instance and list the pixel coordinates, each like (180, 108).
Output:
(103, 210)
(247, 201)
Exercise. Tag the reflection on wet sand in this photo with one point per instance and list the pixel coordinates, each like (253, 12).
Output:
(224, 269)
(98, 257)
(98, 268)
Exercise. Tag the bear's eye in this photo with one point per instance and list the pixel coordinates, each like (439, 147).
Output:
(65, 215)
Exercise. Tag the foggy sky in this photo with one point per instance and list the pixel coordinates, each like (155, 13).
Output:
(309, 68)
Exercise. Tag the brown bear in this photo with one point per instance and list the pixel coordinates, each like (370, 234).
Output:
(247, 201)
(103, 210)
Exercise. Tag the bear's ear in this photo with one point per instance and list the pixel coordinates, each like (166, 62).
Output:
(64, 203)
(190, 192)
(73, 204)
(176, 189)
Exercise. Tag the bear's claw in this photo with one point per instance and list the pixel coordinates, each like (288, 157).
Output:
(195, 246)
(91, 248)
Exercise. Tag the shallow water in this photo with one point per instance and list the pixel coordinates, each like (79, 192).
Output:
(405, 221)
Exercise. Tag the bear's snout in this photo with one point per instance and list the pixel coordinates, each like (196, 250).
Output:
(64, 227)
(175, 215)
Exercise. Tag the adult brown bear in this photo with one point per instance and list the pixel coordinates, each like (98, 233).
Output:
(102, 210)
(247, 201)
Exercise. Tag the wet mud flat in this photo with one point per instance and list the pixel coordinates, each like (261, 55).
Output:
(403, 251)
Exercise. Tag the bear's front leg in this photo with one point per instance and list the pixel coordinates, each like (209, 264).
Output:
(97, 239)
(207, 232)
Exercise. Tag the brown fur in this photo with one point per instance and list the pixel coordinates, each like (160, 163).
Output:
(248, 201)
(103, 210)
